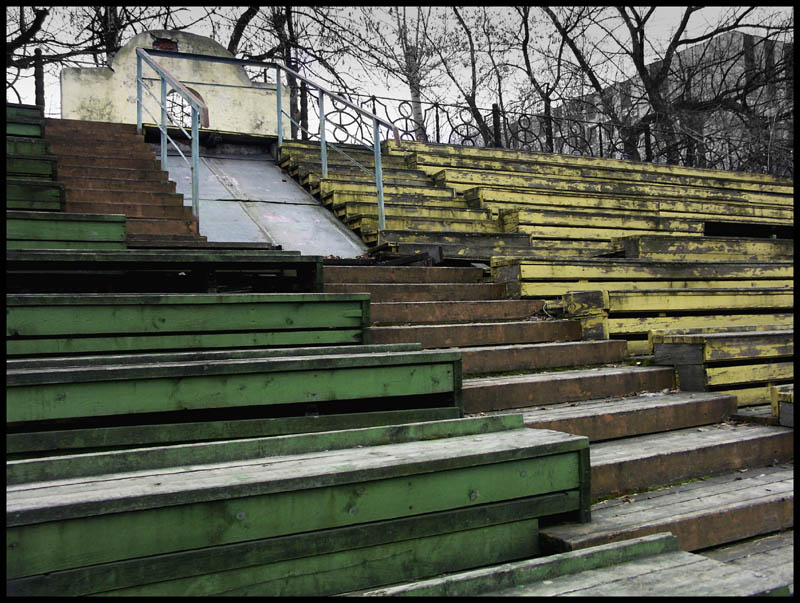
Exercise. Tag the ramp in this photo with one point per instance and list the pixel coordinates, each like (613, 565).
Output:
(248, 199)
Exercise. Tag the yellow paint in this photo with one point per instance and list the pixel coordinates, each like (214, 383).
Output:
(610, 269)
(667, 300)
(405, 147)
(750, 373)
(595, 233)
(534, 289)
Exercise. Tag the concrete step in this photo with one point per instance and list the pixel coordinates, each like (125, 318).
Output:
(77, 171)
(453, 311)
(161, 226)
(115, 161)
(636, 463)
(401, 274)
(90, 183)
(650, 412)
(538, 356)
(459, 335)
(122, 195)
(702, 513)
(486, 394)
(385, 292)
(132, 210)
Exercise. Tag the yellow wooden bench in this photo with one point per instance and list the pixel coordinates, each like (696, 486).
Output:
(630, 315)
(540, 278)
(744, 362)
(685, 249)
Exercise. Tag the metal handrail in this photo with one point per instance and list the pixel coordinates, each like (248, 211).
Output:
(376, 121)
(199, 108)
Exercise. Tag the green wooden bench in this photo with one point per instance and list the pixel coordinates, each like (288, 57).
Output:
(25, 145)
(743, 362)
(298, 515)
(57, 230)
(31, 167)
(689, 249)
(34, 195)
(543, 278)
(646, 566)
(59, 324)
(163, 270)
(630, 315)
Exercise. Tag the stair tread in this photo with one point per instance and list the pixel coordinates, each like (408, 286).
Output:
(562, 375)
(689, 498)
(601, 406)
(679, 440)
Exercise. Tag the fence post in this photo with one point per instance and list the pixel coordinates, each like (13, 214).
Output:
(38, 76)
(436, 106)
(195, 165)
(323, 147)
(648, 144)
(303, 110)
(280, 104)
(164, 124)
(498, 141)
(138, 93)
(376, 143)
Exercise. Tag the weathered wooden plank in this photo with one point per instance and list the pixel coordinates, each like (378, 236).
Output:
(69, 392)
(81, 323)
(57, 226)
(529, 571)
(600, 219)
(749, 373)
(104, 438)
(534, 289)
(196, 356)
(255, 554)
(712, 299)
(626, 269)
(701, 514)
(144, 459)
(238, 515)
(659, 247)
(640, 462)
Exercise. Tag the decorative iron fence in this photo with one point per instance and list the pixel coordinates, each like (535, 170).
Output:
(762, 150)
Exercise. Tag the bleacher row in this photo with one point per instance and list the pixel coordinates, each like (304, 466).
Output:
(187, 419)
(635, 251)
(179, 424)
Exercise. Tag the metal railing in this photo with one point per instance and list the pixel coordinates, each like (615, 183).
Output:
(199, 108)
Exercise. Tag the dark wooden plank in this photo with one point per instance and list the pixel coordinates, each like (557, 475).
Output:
(65, 441)
(235, 513)
(82, 465)
(253, 553)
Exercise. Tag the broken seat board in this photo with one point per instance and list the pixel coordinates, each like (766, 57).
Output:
(54, 526)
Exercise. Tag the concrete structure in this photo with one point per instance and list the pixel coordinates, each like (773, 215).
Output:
(235, 103)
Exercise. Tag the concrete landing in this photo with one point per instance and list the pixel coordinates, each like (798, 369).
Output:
(249, 199)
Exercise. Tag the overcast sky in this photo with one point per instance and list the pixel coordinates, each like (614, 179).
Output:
(665, 21)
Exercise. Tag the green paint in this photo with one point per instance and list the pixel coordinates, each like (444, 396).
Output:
(55, 545)
(105, 398)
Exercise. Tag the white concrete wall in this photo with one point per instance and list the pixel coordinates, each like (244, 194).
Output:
(109, 94)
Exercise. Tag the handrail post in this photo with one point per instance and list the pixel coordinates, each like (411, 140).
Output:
(138, 94)
(195, 165)
(163, 124)
(376, 144)
(322, 144)
(280, 104)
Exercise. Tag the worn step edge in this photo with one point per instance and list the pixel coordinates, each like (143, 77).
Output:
(652, 412)
(701, 514)
(485, 394)
(459, 335)
(639, 462)
(411, 313)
